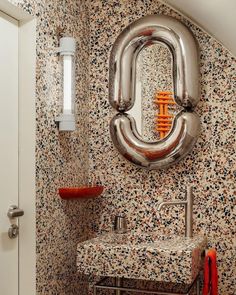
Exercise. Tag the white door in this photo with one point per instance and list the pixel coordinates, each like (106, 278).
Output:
(8, 152)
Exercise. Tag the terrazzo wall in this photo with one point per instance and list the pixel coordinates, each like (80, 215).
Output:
(68, 159)
(155, 70)
(61, 158)
(209, 168)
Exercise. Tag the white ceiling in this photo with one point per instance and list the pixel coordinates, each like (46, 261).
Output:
(217, 17)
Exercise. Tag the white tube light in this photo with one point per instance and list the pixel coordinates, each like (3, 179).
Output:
(67, 84)
(67, 51)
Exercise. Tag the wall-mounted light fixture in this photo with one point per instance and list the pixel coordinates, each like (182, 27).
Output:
(66, 121)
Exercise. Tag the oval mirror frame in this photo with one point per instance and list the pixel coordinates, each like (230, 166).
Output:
(122, 79)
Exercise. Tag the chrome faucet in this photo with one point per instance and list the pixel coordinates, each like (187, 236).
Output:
(188, 204)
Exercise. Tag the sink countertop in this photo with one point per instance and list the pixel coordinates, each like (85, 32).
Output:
(145, 256)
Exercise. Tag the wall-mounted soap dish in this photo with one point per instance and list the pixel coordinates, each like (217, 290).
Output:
(80, 192)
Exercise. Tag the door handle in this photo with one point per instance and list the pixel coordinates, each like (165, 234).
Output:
(13, 231)
(14, 211)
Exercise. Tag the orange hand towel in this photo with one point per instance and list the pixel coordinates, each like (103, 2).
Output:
(210, 286)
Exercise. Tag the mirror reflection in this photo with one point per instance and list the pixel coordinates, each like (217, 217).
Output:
(154, 74)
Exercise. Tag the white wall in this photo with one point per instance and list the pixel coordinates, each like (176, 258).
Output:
(217, 17)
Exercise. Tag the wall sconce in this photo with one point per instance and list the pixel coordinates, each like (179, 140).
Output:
(66, 121)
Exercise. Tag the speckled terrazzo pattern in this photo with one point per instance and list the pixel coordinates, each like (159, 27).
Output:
(155, 67)
(146, 256)
(61, 158)
(210, 168)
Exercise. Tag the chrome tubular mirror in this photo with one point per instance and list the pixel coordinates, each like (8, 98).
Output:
(122, 80)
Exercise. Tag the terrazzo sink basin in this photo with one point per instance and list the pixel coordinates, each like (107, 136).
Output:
(145, 256)
(134, 238)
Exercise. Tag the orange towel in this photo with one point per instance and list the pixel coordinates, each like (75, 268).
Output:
(210, 286)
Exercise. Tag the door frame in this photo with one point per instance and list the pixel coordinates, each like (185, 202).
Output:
(27, 140)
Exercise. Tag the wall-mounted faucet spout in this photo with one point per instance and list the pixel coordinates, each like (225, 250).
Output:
(188, 204)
